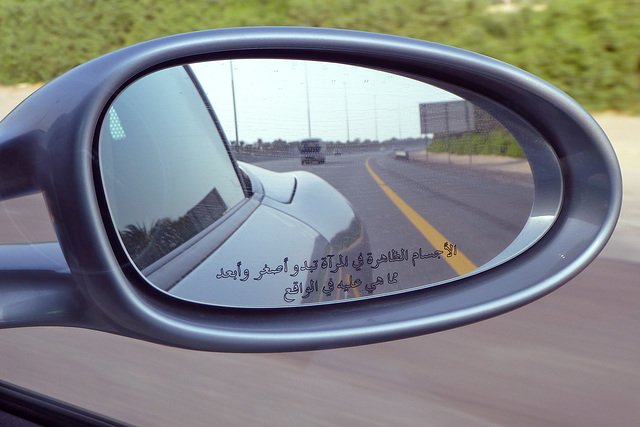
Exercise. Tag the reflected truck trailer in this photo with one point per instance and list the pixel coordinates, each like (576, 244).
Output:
(311, 151)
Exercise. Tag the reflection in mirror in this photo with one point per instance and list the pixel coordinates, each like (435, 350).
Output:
(349, 182)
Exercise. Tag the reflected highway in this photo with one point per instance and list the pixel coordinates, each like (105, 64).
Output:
(569, 359)
(480, 212)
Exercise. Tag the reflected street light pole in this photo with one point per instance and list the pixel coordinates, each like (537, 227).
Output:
(233, 95)
(306, 85)
(375, 115)
(346, 109)
(428, 140)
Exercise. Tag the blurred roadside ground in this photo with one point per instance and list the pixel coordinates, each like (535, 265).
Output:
(623, 132)
(477, 161)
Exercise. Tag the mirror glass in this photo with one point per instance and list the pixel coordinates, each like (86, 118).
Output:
(276, 183)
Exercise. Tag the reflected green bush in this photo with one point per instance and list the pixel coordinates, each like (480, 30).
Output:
(499, 143)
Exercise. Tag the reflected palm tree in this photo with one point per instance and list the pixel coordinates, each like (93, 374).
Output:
(135, 238)
(147, 245)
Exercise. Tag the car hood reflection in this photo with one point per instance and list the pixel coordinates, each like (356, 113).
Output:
(288, 262)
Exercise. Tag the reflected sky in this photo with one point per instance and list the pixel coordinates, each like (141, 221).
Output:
(293, 99)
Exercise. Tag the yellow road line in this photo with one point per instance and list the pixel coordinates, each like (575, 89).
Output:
(460, 263)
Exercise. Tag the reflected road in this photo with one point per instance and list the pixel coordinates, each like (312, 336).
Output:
(480, 212)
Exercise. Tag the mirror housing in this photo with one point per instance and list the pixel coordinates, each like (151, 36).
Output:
(48, 144)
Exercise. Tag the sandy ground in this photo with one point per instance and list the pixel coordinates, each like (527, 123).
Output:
(10, 96)
(624, 134)
(480, 162)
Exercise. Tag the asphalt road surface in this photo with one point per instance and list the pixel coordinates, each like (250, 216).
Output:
(571, 358)
(480, 212)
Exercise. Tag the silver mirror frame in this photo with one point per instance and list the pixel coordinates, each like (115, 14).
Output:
(49, 141)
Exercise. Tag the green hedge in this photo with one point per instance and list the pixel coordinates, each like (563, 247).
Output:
(499, 143)
(589, 48)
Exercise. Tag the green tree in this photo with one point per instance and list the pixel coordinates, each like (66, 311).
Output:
(590, 49)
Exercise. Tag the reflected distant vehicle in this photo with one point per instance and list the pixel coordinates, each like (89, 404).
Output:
(402, 154)
(311, 151)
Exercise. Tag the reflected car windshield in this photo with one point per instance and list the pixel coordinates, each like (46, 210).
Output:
(166, 170)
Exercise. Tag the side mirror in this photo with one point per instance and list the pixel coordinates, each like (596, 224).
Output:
(278, 189)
